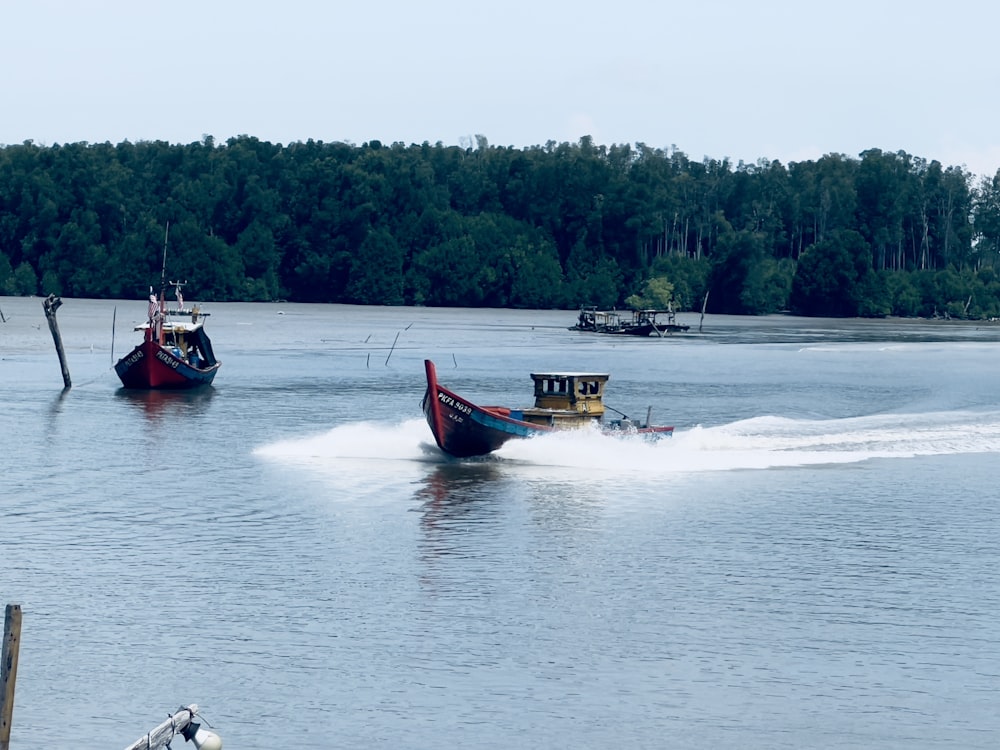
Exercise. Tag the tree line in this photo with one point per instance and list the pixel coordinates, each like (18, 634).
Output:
(553, 226)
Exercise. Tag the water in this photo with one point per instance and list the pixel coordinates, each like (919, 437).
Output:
(809, 562)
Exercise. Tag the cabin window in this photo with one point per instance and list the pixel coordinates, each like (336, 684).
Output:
(551, 385)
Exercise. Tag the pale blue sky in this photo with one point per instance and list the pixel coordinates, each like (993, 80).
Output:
(777, 79)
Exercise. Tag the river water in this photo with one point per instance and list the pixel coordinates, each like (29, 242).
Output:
(811, 560)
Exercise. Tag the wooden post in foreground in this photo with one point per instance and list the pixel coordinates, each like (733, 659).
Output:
(8, 670)
(51, 304)
(165, 732)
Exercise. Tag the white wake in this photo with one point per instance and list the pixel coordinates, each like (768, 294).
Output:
(759, 443)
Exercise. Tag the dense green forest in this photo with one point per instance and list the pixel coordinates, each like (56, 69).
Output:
(552, 226)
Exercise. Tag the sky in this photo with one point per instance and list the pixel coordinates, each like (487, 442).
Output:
(790, 80)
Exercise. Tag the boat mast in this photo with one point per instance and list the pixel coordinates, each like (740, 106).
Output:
(163, 268)
(163, 283)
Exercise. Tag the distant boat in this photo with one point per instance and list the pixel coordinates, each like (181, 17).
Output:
(563, 401)
(634, 323)
(175, 352)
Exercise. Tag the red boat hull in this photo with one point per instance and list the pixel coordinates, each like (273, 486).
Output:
(461, 428)
(150, 366)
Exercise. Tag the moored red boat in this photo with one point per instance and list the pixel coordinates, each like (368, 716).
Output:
(175, 352)
(566, 400)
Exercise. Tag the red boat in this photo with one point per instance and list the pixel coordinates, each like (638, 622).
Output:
(566, 400)
(175, 351)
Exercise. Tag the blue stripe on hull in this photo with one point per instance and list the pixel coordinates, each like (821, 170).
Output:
(500, 424)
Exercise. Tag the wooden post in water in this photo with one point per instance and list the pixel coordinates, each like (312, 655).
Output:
(51, 304)
(392, 348)
(161, 735)
(8, 670)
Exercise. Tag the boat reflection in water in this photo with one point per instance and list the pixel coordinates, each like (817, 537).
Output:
(159, 404)
(452, 487)
(458, 501)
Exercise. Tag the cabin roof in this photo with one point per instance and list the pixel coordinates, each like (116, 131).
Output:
(176, 326)
(568, 375)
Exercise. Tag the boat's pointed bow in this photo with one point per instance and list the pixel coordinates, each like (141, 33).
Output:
(432, 408)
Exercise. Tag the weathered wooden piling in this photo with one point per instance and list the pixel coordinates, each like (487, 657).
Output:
(51, 304)
(392, 349)
(8, 670)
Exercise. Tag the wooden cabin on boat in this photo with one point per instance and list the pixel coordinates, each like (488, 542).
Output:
(566, 399)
